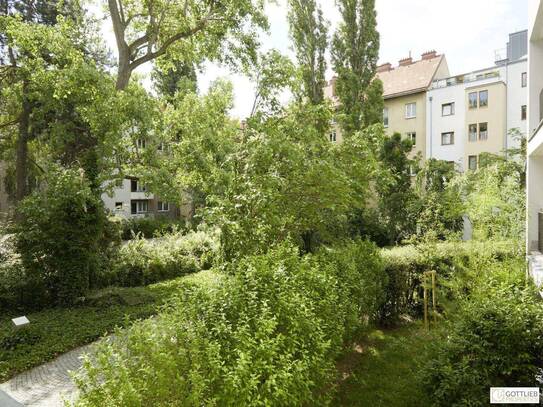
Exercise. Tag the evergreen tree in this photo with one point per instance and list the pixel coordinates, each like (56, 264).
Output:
(355, 50)
(309, 33)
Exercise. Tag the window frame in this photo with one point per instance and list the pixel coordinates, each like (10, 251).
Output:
(470, 133)
(476, 162)
(163, 206)
(385, 117)
(141, 143)
(523, 112)
(476, 100)
(481, 138)
(412, 135)
(451, 105)
(451, 138)
(333, 136)
(486, 101)
(524, 79)
(412, 111)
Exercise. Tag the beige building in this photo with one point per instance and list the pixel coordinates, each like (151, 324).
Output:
(404, 91)
(486, 121)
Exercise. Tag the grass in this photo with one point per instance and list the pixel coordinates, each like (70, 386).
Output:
(382, 369)
(58, 330)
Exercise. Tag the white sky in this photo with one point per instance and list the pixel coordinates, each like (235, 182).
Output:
(466, 31)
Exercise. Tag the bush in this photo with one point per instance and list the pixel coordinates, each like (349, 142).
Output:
(406, 265)
(62, 236)
(150, 227)
(495, 339)
(142, 262)
(268, 333)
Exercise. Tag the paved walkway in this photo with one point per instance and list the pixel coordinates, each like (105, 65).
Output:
(47, 385)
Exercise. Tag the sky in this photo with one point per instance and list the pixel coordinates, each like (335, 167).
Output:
(468, 32)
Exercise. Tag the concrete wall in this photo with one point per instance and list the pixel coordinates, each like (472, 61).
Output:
(397, 122)
(517, 96)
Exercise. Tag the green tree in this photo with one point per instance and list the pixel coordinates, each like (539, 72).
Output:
(179, 76)
(355, 50)
(309, 34)
(190, 30)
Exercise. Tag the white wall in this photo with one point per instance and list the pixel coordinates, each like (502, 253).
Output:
(517, 96)
(120, 194)
(437, 124)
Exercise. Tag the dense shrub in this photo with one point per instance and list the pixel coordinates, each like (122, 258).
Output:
(142, 262)
(265, 334)
(62, 237)
(495, 339)
(406, 265)
(149, 227)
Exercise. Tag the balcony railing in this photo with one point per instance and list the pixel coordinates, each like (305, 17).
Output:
(467, 78)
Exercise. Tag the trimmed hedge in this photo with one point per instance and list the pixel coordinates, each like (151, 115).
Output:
(406, 265)
(142, 262)
(267, 333)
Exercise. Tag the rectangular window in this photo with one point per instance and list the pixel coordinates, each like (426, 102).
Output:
(410, 110)
(161, 146)
(447, 109)
(412, 136)
(483, 98)
(385, 116)
(118, 206)
(472, 162)
(523, 112)
(472, 100)
(139, 207)
(140, 143)
(447, 138)
(472, 132)
(333, 136)
(137, 186)
(524, 79)
(483, 131)
(163, 206)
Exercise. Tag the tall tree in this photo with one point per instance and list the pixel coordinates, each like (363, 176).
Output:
(183, 29)
(355, 51)
(309, 33)
(180, 76)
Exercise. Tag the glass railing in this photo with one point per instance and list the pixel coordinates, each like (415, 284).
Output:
(459, 79)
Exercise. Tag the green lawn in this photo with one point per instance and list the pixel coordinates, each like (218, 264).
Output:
(55, 331)
(383, 368)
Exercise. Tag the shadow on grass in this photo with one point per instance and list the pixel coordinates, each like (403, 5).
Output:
(382, 369)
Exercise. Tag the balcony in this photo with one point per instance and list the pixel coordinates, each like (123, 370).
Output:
(467, 78)
(141, 195)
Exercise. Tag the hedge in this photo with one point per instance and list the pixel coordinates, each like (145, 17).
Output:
(142, 262)
(266, 333)
(405, 266)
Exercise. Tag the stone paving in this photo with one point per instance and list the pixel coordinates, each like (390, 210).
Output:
(47, 385)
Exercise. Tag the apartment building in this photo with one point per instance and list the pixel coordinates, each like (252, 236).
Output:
(534, 201)
(404, 91)
(476, 112)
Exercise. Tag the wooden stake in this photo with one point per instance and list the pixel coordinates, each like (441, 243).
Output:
(434, 309)
(426, 325)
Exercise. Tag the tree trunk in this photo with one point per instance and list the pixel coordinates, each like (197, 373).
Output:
(123, 75)
(21, 162)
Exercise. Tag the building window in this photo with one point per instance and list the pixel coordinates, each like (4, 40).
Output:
(472, 162)
(447, 109)
(483, 98)
(385, 116)
(140, 143)
(333, 136)
(163, 206)
(472, 132)
(472, 100)
(118, 206)
(137, 186)
(410, 110)
(447, 138)
(523, 112)
(483, 131)
(139, 207)
(524, 79)
(412, 136)
(161, 146)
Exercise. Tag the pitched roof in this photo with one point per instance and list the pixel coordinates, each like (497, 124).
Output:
(411, 78)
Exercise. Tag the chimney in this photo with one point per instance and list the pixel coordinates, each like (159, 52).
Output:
(429, 55)
(406, 61)
(384, 67)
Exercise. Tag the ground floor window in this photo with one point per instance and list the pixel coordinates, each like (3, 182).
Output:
(139, 207)
(163, 206)
(472, 162)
